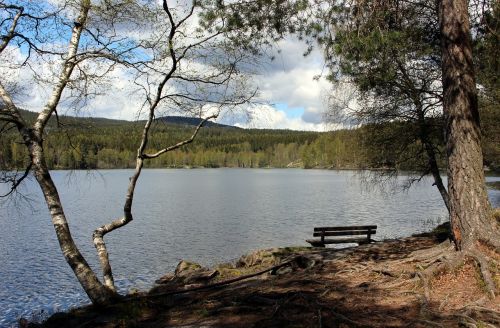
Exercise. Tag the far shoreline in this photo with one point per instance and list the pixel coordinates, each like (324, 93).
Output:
(487, 172)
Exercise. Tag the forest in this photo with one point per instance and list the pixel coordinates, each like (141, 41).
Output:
(93, 143)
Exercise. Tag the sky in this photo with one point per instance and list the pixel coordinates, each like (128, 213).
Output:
(289, 96)
(293, 98)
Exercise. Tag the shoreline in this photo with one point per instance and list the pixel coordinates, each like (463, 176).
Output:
(487, 172)
(369, 285)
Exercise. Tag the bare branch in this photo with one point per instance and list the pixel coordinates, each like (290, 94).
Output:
(10, 109)
(181, 143)
(33, 46)
(68, 66)
(17, 181)
(10, 35)
(202, 100)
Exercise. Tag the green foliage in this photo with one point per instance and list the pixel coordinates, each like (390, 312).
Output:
(108, 144)
(390, 52)
(256, 25)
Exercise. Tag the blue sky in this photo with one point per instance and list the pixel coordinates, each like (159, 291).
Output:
(293, 112)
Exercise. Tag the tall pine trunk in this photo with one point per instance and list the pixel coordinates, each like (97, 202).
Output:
(470, 211)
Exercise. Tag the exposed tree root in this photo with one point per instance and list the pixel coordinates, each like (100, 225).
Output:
(427, 323)
(430, 263)
(386, 273)
(430, 254)
(477, 319)
(485, 272)
(447, 261)
(444, 302)
(483, 315)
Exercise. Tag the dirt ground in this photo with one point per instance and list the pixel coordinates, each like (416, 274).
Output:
(375, 285)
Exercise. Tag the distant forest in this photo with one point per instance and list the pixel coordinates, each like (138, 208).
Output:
(93, 143)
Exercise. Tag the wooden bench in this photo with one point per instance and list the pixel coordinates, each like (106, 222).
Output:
(344, 233)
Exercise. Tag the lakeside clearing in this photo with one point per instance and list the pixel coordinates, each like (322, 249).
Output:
(375, 285)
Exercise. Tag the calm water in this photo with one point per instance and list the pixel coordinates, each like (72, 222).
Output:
(207, 216)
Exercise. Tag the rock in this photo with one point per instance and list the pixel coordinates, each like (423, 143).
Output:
(299, 262)
(306, 262)
(260, 257)
(187, 273)
(200, 276)
(190, 273)
(185, 268)
(165, 279)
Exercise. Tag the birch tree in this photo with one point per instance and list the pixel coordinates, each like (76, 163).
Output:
(32, 135)
(174, 64)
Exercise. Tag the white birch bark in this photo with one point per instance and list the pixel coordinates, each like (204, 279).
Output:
(33, 139)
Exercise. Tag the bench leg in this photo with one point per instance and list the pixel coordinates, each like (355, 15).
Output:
(317, 244)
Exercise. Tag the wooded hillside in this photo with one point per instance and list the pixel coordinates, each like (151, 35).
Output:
(90, 143)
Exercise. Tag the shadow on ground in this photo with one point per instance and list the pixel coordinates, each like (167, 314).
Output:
(365, 286)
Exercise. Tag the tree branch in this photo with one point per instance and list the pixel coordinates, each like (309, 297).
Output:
(68, 66)
(10, 35)
(181, 143)
(10, 109)
(17, 181)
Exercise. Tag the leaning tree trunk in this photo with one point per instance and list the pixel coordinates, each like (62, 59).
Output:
(470, 211)
(97, 292)
(432, 161)
(424, 133)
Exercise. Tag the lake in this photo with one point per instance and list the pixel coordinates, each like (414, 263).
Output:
(202, 215)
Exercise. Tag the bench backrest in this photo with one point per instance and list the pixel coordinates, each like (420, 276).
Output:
(367, 230)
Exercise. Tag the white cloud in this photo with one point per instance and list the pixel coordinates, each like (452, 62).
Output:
(268, 117)
(291, 79)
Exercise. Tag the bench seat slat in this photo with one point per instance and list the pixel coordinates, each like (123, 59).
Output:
(367, 227)
(337, 241)
(344, 233)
